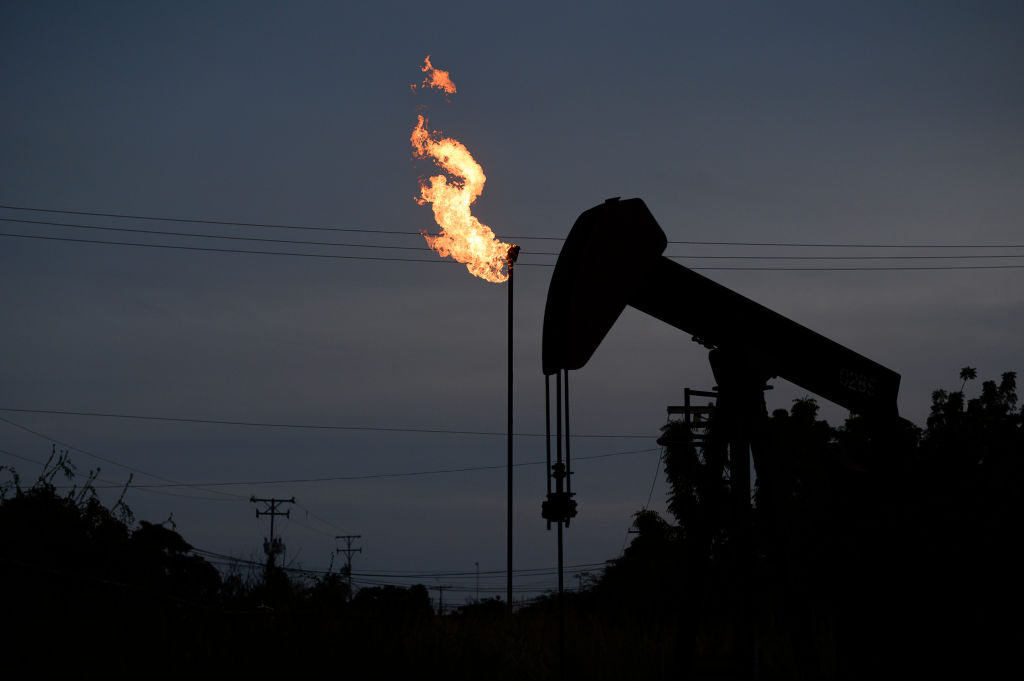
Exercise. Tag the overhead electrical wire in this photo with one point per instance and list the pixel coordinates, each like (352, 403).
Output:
(333, 256)
(525, 572)
(340, 478)
(373, 476)
(306, 426)
(378, 576)
(362, 575)
(423, 249)
(201, 486)
(230, 223)
(410, 574)
(310, 513)
(226, 223)
(370, 579)
(23, 458)
(133, 469)
(167, 483)
(230, 237)
(110, 484)
(336, 256)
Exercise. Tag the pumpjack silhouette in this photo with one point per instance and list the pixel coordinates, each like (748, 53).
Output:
(612, 258)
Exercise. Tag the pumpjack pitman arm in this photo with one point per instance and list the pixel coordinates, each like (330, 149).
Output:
(612, 258)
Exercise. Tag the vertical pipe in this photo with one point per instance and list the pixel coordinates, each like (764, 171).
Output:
(561, 610)
(739, 454)
(561, 582)
(508, 586)
(547, 429)
(558, 423)
(568, 468)
(560, 487)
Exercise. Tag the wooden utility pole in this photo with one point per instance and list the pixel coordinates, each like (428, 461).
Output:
(440, 596)
(348, 551)
(273, 547)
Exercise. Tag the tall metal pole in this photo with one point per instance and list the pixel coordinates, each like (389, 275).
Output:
(513, 253)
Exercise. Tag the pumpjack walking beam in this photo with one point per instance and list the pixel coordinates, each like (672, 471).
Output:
(612, 258)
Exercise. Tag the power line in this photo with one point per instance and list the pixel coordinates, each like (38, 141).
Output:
(196, 235)
(424, 249)
(168, 481)
(230, 223)
(844, 257)
(523, 572)
(373, 476)
(25, 458)
(406, 574)
(324, 521)
(446, 261)
(862, 269)
(650, 495)
(264, 424)
(365, 578)
(227, 223)
(794, 244)
(657, 469)
(333, 256)
(110, 484)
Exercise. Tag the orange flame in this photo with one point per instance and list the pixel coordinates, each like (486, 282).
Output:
(463, 237)
(436, 78)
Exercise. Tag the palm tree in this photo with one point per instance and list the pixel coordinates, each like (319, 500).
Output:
(967, 374)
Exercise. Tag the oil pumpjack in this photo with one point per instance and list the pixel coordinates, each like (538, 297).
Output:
(612, 258)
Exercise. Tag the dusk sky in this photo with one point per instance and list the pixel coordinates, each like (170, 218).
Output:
(878, 124)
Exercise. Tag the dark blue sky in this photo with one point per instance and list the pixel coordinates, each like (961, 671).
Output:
(734, 121)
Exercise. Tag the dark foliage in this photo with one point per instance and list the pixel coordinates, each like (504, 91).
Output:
(76, 577)
(880, 550)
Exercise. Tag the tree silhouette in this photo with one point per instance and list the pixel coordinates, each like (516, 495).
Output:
(967, 374)
(881, 550)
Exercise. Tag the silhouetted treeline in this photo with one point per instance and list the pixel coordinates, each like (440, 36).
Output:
(881, 549)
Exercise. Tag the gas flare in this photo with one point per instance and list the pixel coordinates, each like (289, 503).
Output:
(462, 236)
(436, 78)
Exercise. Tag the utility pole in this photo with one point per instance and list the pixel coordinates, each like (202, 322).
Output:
(348, 551)
(477, 564)
(274, 546)
(440, 597)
